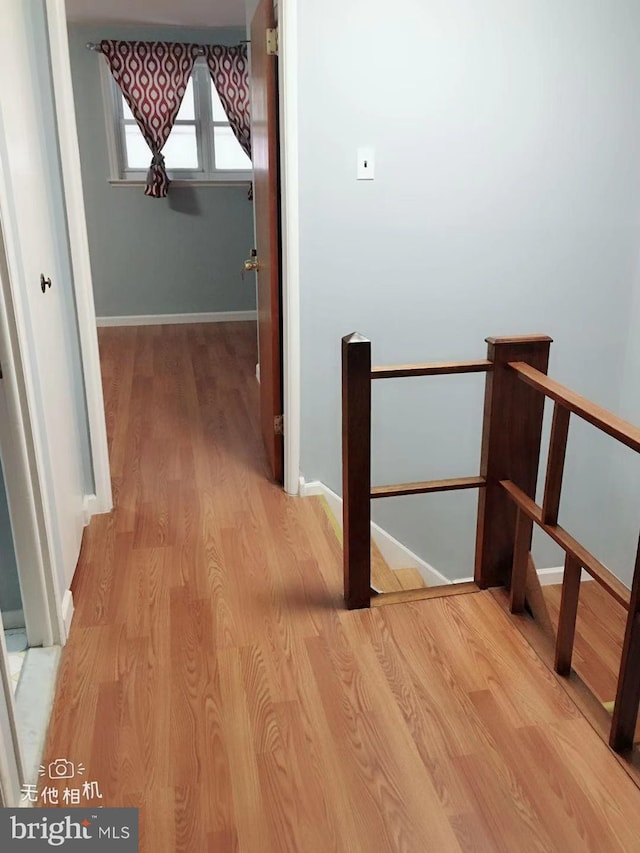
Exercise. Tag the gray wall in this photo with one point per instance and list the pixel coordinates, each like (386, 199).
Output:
(250, 10)
(10, 598)
(623, 493)
(506, 201)
(177, 255)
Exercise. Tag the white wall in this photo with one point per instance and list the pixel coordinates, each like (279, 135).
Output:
(506, 201)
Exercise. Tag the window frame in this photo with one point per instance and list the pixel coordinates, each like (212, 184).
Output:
(207, 174)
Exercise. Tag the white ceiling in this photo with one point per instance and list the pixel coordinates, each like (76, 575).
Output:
(186, 13)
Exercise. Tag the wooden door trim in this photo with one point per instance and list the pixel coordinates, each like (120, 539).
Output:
(265, 110)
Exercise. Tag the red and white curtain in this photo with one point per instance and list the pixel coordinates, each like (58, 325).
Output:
(153, 77)
(230, 74)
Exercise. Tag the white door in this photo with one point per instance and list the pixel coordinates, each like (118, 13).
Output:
(36, 238)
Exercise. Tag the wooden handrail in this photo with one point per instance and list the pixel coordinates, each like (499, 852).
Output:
(571, 546)
(616, 427)
(567, 402)
(516, 385)
(452, 485)
(443, 368)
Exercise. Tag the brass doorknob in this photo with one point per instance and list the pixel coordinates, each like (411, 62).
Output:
(251, 264)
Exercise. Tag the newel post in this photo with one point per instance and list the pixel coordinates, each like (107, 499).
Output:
(356, 470)
(511, 435)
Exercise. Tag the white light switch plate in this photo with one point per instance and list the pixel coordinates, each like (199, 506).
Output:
(366, 164)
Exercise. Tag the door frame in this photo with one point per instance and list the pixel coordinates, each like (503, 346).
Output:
(287, 16)
(19, 450)
(102, 500)
(47, 613)
(287, 21)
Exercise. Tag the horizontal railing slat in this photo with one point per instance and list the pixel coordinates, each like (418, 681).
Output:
(443, 368)
(570, 545)
(599, 417)
(427, 486)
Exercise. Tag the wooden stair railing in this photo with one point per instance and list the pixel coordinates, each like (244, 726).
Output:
(515, 391)
(567, 402)
(510, 448)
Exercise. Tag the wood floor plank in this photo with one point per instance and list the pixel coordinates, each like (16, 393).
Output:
(409, 578)
(214, 680)
(249, 814)
(533, 799)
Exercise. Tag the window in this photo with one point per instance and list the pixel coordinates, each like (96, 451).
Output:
(201, 146)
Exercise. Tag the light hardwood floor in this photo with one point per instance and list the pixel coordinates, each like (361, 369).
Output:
(213, 679)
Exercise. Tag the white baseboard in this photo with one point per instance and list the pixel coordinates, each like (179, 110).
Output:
(547, 577)
(396, 555)
(172, 319)
(89, 508)
(313, 487)
(67, 611)
(556, 575)
(12, 619)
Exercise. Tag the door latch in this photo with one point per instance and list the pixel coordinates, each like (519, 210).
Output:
(44, 283)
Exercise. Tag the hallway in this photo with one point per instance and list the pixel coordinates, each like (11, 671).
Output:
(213, 679)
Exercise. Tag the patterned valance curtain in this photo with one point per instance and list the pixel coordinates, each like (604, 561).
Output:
(153, 77)
(229, 72)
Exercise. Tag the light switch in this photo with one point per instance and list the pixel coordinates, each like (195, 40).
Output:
(366, 164)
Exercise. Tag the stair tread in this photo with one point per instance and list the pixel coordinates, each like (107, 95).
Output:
(383, 577)
(410, 578)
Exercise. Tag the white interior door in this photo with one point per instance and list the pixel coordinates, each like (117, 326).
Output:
(36, 238)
